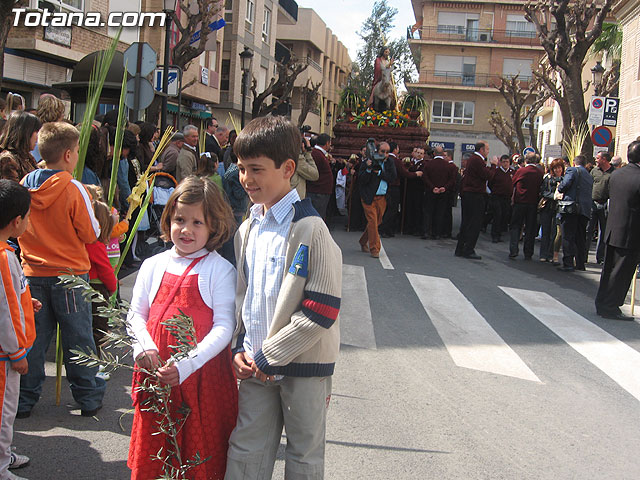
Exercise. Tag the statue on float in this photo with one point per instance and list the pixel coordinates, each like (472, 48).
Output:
(383, 92)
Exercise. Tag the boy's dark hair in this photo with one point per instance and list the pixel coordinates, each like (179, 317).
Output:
(392, 146)
(15, 201)
(55, 138)
(323, 139)
(273, 137)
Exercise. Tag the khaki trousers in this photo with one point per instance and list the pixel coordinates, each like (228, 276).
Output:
(373, 213)
(300, 404)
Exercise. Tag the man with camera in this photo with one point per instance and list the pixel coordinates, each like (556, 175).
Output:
(377, 171)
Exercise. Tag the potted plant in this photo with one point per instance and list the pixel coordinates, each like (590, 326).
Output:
(415, 105)
(349, 100)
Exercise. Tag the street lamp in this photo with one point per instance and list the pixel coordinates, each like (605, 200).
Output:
(169, 9)
(596, 72)
(245, 58)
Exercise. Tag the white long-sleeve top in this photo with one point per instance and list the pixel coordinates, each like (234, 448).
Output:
(217, 285)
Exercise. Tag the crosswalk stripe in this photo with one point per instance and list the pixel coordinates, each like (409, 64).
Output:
(470, 340)
(356, 325)
(615, 358)
(384, 259)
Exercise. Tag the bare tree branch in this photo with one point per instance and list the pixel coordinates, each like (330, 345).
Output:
(309, 98)
(282, 86)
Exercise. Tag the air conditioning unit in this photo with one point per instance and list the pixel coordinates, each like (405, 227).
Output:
(484, 37)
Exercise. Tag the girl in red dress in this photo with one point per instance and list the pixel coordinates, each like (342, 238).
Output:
(193, 279)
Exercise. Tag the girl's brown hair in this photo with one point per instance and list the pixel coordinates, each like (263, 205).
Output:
(217, 213)
(106, 221)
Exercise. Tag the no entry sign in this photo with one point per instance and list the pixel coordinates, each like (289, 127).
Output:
(601, 136)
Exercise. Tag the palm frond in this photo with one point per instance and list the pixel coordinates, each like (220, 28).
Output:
(96, 82)
(573, 145)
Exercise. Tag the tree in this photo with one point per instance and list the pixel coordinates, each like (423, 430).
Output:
(523, 105)
(309, 95)
(502, 129)
(196, 15)
(6, 21)
(567, 29)
(280, 87)
(609, 45)
(375, 33)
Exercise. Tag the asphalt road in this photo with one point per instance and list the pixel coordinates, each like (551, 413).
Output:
(450, 369)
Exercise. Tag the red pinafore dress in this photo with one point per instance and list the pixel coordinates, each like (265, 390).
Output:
(211, 392)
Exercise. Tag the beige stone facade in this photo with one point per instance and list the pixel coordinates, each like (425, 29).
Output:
(461, 48)
(628, 14)
(312, 42)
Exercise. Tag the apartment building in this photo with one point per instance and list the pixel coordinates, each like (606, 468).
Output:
(461, 48)
(328, 62)
(35, 58)
(628, 14)
(252, 24)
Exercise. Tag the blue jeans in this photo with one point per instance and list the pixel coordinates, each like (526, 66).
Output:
(68, 309)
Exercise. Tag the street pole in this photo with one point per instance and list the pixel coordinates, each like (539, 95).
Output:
(244, 97)
(165, 74)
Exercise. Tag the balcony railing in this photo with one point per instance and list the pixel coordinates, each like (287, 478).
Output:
(291, 7)
(440, 77)
(454, 33)
(311, 62)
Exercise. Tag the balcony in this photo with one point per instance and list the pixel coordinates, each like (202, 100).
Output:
(288, 12)
(458, 79)
(456, 34)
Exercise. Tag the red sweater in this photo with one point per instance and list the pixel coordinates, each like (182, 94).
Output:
(324, 184)
(101, 268)
(476, 175)
(526, 184)
(401, 170)
(501, 183)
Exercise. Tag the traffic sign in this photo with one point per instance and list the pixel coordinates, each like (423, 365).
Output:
(145, 94)
(601, 137)
(596, 111)
(610, 113)
(528, 149)
(149, 59)
(173, 80)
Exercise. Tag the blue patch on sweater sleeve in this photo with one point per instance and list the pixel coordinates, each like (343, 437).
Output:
(300, 264)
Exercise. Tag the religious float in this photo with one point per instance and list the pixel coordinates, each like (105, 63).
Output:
(360, 122)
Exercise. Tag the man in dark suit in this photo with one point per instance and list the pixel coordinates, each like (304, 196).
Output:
(439, 181)
(474, 191)
(501, 188)
(216, 138)
(622, 237)
(389, 223)
(374, 179)
(526, 191)
(576, 188)
(320, 190)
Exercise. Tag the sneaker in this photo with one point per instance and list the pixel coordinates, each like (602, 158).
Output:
(18, 461)
(11, 476)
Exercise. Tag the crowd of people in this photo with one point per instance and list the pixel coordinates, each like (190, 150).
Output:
(261, 201)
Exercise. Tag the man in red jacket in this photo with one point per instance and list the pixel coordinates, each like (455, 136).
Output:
(501, 187)
(526, 193)
(474, 191)
(320, 190)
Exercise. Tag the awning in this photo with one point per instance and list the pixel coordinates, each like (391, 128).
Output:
(187, 112)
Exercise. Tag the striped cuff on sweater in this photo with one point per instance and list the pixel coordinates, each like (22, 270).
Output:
(294, 369)
(321, 308)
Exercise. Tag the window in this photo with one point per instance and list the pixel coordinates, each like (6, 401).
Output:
(266, 25)
(457, 23)
(455, 67)
(77, 5)
(251, 14)
(225, 70)
(228, 11)
(446, 111)
(517, 26)
(517, 66)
